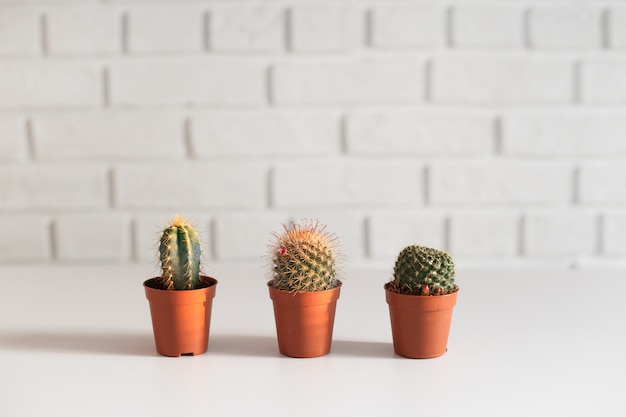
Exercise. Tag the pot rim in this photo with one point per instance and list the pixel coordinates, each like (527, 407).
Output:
(305, 297)
(420, 302)
(207, 279)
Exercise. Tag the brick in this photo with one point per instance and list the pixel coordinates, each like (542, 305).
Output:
(245, 236)
(565, 27)
(13, 134)
(148, 228)
(390, 232)
(250, 28)
(92, 237)
(485, 234)
(348, 81)
(154, 81)
(347, 226)
(84, 30)
(220, 184)
(603, 80)
(165, 28)
(24, 238)
(53, 186)
(413, 133)
(560, 233)
(500, 182)
(326, 29)
(554, 133)
(614, 233)
(49, 84)
(265, 133)
(20, 32)
(398, 26)
(603, 182)
(492, 26)
(617, 27)
(78, 135)
(497, 80)
(348, 184)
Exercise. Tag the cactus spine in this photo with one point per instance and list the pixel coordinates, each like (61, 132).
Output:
(423, 271)
(304, 258)
(179, 253)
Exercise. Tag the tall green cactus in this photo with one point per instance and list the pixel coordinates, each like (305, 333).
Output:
(304, 258)
(423, 271)
(179, 253)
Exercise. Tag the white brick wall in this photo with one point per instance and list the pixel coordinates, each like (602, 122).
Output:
(494, 130)
(348, 81)
(617, 27)
(25, 238)
(53, 187)
(500, 183)
(47, 84)
(92, 237)
(326, 29)
(12, 132)
(604, 80)
(487, 79)
(558, 133)
(485, 234)
(185, 81)
(492, 26)
(565, 27)
(165, 29)
(84, 30)
(406, 25)
(557, 233)
(419, 133)
(20, 32)
(219, 134)
(98, 135)
(255, 28)
(347, 184)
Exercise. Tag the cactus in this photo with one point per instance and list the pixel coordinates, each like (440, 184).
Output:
(179, 253)
(423, 271)
(304, 258)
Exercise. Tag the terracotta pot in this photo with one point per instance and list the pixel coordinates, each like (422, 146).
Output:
(420, 324)
(304, 321)
(181, 318)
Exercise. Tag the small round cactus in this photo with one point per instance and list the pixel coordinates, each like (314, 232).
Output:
(304, 258)
(179, 253)
(423, 271)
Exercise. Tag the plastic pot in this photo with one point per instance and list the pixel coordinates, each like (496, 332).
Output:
(181, 318)
(420, 325)
(304, 321)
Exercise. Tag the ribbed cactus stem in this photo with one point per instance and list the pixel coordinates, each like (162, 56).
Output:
(179, 252)
(304, 258)
(423, 271)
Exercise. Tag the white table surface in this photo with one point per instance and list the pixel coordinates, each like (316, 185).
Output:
(77, 341)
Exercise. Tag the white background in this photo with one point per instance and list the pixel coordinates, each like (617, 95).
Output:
(495, 130)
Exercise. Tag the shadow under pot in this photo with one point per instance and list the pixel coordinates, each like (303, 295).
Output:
(420, 325)
(181, 319)
(304, 321)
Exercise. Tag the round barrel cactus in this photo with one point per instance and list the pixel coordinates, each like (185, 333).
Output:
(179, 253)
(304, 258)
(423, 271)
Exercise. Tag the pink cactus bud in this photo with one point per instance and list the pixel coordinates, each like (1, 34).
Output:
(282, 251)
(425, 290)
(438, 291)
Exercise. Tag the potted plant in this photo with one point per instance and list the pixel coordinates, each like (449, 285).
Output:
(180, 298)
(421, 297)
(304, 288)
